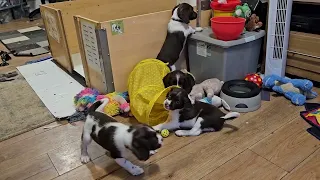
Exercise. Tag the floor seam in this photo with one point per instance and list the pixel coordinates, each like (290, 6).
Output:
(45, 169)
(53, 164)
(304, 160)
(48, 129)
(36, 174)
(34, 134)
(224, 163)
(268, 160)
(268, 135)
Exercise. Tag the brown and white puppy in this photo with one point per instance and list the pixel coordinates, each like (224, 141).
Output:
(178, 78)
(177, 34)
(197, 117)
(119, 139)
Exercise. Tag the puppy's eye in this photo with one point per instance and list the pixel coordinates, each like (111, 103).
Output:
(177, 102)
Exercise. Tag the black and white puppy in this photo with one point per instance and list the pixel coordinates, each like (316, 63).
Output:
(119, 139)
(177, 34)
(178, 78)
(197, 117)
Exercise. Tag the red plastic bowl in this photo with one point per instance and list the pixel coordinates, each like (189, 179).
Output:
(230, 6)
(227, 28)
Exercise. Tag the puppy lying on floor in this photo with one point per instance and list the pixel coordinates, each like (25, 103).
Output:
(198, 116)
(119, 139)
(177, 34)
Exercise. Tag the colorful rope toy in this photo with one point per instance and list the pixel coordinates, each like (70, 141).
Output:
(117, 101)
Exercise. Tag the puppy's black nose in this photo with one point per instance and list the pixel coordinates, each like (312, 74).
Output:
(167, 106)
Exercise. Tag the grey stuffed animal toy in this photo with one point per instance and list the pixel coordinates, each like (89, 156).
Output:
(207, 88)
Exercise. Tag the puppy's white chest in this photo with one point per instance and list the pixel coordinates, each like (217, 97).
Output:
(175, 115)
(185, 124)
(175, 26)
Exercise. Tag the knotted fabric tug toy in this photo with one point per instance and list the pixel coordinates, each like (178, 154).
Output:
(117, 101)
(85, 98)
(117, 104)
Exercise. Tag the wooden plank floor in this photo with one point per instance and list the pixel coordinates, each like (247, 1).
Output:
(271, 143)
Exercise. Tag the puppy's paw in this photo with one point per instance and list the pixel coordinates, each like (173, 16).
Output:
(84, 159)
(152, 152)
(180, 133)
(136, 170)
(199, 29)
(157, 128)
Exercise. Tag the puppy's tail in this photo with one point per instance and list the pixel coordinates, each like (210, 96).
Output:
(231, 115)
(234, 128)
(94, 106)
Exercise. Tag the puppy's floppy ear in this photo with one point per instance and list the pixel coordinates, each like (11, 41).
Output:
(166, 80)
(187, 109)
(141, 153)
(187, 102)
(192, 15)
(189, 82)
(184, 14)
(191, 79)
(140, 145)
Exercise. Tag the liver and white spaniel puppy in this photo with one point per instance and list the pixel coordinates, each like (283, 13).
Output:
(196, 116)
(119, 139)
(177, 34)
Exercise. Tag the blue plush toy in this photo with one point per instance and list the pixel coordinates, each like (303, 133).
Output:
(217, 102)
(297, 90)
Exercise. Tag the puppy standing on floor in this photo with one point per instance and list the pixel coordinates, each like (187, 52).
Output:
(177, 34)
(119, 139)
(197, 116)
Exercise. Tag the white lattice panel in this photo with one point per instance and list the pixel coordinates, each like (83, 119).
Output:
(90, 44)
(278, 36)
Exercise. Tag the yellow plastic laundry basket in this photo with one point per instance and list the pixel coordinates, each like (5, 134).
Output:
(147, 92)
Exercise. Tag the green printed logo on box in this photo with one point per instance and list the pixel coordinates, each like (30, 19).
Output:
(117, 27)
